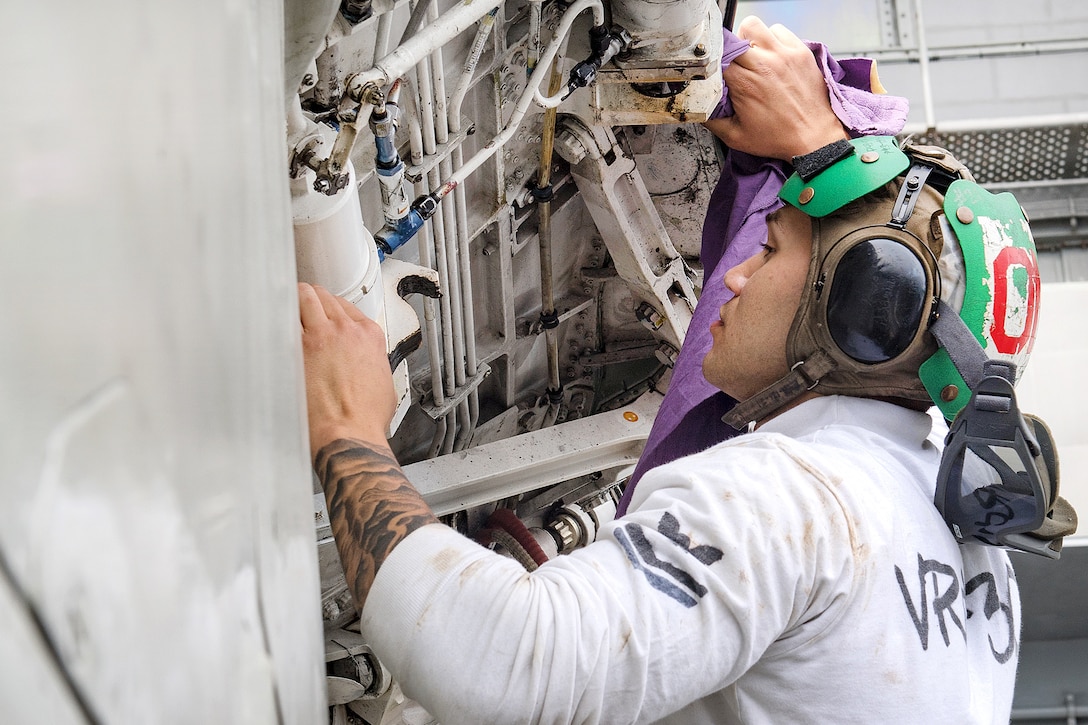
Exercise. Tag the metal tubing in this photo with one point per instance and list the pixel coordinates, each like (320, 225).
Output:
(544, 241)
(446, 230)
(453, 113)
(449, 328)
(535, 11)
(385, 34)
(994, 124)
(416, 48)
(974, 52)
(467, 70)
(923, 52)
(528, 94)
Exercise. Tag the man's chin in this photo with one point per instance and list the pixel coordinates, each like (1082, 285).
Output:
(715, 380)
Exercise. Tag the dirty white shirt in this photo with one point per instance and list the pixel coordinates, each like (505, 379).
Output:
(797, 574)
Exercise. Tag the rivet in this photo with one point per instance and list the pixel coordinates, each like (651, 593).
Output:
(630, 416)
(949, 393)
(869, 157)
(806, 195)
(965, 215)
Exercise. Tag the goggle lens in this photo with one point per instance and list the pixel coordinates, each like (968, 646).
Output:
(876, 301)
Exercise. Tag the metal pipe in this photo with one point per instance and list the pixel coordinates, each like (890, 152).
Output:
(385, 35)
(328, 89)
(431, 249)
(446, 230)
(453, 113)
(392, 66)
(544, 242)
(415, 20)
(533, 56)
(414, 50)
(995, 124)
(923, 52)
(527, 95)
(972, 52)
(1068, 713)
(467, 70)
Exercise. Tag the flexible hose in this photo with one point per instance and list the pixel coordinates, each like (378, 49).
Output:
(503, 519)
(508, 542)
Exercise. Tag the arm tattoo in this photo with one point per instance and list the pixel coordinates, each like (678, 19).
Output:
(372, 506)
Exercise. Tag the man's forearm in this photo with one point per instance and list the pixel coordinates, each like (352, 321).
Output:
(371, 504)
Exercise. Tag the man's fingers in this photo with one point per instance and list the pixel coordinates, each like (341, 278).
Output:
(786, 36)
(311, 311)
(756, 32)
(725, 128)
(337, 307)
(350, 310)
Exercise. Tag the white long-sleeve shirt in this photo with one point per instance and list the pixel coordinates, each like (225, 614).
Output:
(797, 574)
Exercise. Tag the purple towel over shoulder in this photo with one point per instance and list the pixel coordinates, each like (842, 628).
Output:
(689, 419)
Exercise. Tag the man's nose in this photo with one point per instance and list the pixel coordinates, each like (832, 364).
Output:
(735, 278)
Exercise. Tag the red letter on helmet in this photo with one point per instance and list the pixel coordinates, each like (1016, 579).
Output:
(1016, 307)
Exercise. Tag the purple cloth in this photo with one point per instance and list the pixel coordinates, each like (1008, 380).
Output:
(689, 419)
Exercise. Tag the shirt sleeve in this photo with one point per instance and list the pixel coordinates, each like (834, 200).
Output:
(715, 568)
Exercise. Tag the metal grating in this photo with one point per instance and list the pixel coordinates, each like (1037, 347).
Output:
(1010, 155)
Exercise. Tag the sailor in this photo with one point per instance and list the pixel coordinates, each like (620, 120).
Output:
(837, 562)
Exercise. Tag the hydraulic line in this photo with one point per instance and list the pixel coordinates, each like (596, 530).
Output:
(535, 10)
(415, 20)
(446, 234)
(434, 249)
(543, 193)
(511, 544)
(430, 325)
(504, 519)
(331, 171)
(527, 96)
(461, 208)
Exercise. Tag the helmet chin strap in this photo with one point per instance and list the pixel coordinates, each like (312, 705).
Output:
(802, 377)
(948, 329)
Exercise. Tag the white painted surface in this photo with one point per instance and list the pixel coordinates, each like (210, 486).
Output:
(1055, 386)
(154, 479)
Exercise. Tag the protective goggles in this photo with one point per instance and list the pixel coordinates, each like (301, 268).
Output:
(998, 478)
(879, 294)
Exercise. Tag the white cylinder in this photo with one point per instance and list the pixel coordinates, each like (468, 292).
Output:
(334, 249)
(650, 22)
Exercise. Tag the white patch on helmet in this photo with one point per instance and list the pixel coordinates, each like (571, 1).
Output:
(950, 268)
(996, 238)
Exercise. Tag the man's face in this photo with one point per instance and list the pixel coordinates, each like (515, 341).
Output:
(749, 348)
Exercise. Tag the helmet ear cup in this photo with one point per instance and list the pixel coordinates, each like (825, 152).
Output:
(877, 298)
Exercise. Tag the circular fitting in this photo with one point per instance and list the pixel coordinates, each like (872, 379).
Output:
(569, 146)
(565, 530)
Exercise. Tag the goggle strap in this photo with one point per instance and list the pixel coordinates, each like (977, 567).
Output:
(964, 349)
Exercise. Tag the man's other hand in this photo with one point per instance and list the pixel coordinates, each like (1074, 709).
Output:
(781, 103)
(349, 388)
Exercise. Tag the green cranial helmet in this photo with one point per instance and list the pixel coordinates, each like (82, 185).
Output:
(923, 288)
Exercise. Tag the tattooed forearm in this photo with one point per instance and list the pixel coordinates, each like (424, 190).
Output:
(372, 506)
